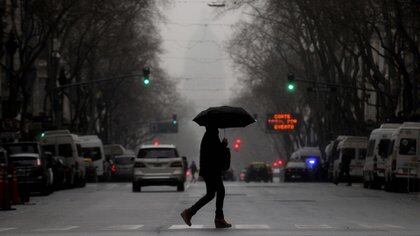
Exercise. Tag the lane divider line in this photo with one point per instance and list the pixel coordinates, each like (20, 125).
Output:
(66, 228)
(381, 226)
(6, 229)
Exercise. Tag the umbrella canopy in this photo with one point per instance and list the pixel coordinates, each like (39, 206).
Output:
(224, 117)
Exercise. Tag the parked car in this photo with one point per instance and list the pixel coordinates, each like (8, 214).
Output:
(296, 170)
(158, 165)
(123, 166)
(258, 171)
(34, 174)
(22, 154)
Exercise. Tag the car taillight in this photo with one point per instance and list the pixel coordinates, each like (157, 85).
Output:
(113, 168)
(176, 164)
(38, 162)
(139, 165)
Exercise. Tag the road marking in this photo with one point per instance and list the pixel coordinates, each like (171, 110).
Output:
(381, 226)
(110, 186)
(6, 229)
(313, 226)
(124, 227)
(252, 227)
(66, 228)
(188, 227)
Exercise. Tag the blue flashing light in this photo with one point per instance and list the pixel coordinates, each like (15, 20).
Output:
(311, 162)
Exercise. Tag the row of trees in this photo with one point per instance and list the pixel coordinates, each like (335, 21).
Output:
(365, 44)
(83, 41)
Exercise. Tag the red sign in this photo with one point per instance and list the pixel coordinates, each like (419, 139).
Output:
(281, 122)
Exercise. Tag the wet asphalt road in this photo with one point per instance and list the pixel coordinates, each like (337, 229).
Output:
(253, 209)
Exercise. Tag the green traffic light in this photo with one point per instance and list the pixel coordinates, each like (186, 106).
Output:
(291, 87)
(42, 135)
(146, 81)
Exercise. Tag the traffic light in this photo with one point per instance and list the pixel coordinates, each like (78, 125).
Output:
(146, 75)
(174, 119)
(237, 144)
(291, 83)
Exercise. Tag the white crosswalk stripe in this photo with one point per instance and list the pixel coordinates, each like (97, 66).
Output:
(6, 229)
(239, 226)
(124, 227)
(323, 226)
(64, 228)
(252, 226)
(192, 227)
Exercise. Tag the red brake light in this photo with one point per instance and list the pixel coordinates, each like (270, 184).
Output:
(113, 168)
(38, 162)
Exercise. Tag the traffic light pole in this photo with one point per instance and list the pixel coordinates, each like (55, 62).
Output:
(129, 76)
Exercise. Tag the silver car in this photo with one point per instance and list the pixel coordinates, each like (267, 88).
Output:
(158, 165)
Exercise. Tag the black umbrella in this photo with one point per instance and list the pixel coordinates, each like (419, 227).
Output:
(224, 117)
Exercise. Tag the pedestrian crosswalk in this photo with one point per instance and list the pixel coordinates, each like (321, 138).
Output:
(180, 227)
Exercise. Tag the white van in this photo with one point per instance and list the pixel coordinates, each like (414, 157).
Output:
(374, 168)
(93, 149)
(355, 147)
(332, 155)
(66, 146)
(403, 162)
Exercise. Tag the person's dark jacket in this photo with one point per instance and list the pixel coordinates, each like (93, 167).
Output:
(345, 163)
(211, 154)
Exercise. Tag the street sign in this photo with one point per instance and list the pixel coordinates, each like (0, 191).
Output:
(164, 127)
(281, 122)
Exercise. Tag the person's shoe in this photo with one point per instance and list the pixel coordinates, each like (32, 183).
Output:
(186, 216)
(221, 224)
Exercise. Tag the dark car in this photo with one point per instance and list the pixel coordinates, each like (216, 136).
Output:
(258, 171)
(123, 167)
(34, 168)
(33, 174)
(296, 170)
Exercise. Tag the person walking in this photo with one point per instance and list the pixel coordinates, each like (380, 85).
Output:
(345, 169)
(193, 170)
(212, 152)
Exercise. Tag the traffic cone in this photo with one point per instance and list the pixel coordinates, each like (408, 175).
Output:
(15, 188)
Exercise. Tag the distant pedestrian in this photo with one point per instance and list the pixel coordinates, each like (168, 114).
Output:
(345, 168)
(212, 152)
(193, 170)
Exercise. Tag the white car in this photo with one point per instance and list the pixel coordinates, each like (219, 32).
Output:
(158, 165)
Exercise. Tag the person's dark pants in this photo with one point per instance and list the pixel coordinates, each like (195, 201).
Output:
(214, 187)
(345, 173)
